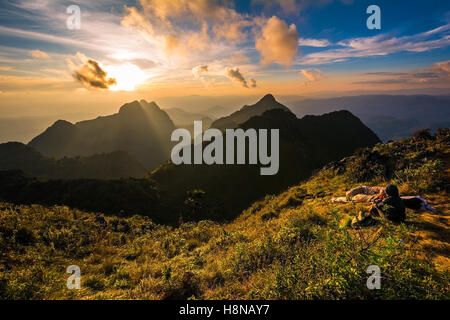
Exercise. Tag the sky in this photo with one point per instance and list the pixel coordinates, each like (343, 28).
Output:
(154, 49)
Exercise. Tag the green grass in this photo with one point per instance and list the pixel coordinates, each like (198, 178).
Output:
(287, 246)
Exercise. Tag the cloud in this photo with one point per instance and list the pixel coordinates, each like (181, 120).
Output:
(49, 38)
(90, 73)
(381, 45)
(144, 63)
(185, 27)
(199, 70)
(239, 57)
(236, 75)
(253, 83)
(441, 69)
(38, 54)
(318, 43)
(291, 7)
(278, 42)
(312, 75)
(438, 73)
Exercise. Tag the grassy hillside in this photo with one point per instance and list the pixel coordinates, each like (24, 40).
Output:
(295, 245)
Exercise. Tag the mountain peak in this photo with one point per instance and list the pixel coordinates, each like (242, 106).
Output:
(130, 107)
(62, 124)
(268, 98)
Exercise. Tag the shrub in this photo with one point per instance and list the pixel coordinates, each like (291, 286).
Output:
(429, 176)
(367, 166)
(24, 237)
(94, 282)
(423, 134)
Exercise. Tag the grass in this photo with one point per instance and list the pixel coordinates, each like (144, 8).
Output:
(289, 246)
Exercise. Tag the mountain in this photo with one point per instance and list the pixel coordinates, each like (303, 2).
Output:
(232, 121)
(141, 129)
(295, 245)
(182, 118)
(114, 165)
(305, 145)
(217, 111)
(390, 116)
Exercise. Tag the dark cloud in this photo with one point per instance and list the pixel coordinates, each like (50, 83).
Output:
(253, 83)
(91, 75)
(199, 70)
(236, 75)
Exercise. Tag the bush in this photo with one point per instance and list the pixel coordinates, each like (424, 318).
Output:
(24, 237)
(94, 282)
(367, 165)
(427, 177)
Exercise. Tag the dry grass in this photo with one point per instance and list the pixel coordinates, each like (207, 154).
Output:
(289, 246)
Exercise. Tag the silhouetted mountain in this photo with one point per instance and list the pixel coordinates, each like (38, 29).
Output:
(216, 111)
(232, 121)
(182, 118)
(305, 145)
(391, 117)
(118, 164)
(215, 192)
(140, 128)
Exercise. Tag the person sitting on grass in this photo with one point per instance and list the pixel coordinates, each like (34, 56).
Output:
(391, 207)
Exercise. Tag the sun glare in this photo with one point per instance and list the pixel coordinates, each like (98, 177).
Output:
(127, 76)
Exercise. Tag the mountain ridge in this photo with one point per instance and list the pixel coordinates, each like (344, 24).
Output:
(140, 128)
(114, 165)
(232, 121)
(305, 145)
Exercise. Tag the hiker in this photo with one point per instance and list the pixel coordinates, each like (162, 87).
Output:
(417, 203)
(390, 206)
(361, 194)
(364, 194)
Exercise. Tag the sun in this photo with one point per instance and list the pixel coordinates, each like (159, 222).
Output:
(127, 76)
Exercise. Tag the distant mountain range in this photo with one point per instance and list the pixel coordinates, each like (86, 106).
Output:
(114, 165)
(185, 119)
(305, 145)
(181, 117)
(390, 116)
(141, 129)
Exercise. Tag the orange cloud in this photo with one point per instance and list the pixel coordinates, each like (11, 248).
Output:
(278, 42)
(91, 74)
(199, 70)
(312, 74)
(38, 54)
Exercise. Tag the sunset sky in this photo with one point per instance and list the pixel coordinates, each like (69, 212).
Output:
(127, 50)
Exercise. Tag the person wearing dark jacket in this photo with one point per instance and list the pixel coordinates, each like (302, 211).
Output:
(391, 207)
